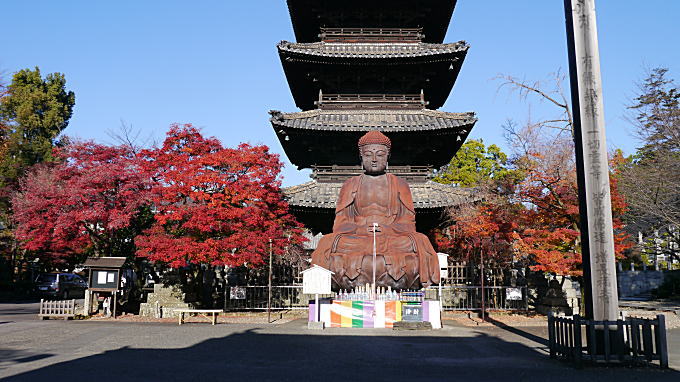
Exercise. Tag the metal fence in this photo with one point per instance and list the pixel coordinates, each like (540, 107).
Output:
(469, 297)
(255, 297)
(453, 297)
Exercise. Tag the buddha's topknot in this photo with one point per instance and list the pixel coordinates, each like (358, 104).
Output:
(375, 137)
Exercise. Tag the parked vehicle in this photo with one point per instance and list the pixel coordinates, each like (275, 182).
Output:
(60, 285)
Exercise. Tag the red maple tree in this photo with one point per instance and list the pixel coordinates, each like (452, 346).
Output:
(81, 203)
(214, 205)
(489, 228)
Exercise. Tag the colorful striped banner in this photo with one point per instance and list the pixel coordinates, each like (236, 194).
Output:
(370, 314)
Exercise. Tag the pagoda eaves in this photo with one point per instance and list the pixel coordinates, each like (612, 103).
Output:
(310, 16)
(361, 65)
(371, 68)
(420, 137)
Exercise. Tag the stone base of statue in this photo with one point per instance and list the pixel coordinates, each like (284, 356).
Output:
(409, 325)
(315, 325)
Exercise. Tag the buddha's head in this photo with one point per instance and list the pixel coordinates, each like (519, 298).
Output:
(374, 149)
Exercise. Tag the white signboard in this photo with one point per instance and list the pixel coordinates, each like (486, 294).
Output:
(316, 280)
(237, 293)
(443, 265)
(513, 294)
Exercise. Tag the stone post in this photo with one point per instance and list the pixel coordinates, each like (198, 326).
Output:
(597, 235)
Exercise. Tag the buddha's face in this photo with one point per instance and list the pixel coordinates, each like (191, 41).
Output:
(374, 158)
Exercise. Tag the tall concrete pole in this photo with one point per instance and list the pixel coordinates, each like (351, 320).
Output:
(597, 235)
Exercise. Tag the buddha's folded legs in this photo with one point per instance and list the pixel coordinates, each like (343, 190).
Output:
(399, 271)
(400, 260)
(350, 257)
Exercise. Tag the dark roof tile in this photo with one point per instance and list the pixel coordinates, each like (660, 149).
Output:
(425, 195)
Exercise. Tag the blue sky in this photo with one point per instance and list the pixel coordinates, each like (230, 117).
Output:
(214, 63)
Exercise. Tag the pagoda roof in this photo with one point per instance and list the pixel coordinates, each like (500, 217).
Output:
(373, 50)
(309, 16)
(428, 194)
(313, 203)
(371, 68)
(329, 137)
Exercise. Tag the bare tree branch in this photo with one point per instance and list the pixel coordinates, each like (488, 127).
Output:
(127, 136)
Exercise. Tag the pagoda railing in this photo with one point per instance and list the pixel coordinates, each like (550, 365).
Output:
(371, 101)
(335, 173)
(372, 35)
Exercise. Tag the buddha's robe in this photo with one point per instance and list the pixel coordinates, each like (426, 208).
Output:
(405, 258)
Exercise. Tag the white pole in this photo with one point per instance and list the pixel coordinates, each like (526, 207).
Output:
(375, 228)
(441, 304)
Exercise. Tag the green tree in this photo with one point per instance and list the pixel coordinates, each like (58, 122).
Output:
(35, 111)
(475, 164)
(657, 114)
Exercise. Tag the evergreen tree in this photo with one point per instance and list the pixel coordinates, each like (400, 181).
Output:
(34, 112)
(650, 181)
(658, 116)
(475, 164)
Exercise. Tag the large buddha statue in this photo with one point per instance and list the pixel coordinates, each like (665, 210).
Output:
(382, 202)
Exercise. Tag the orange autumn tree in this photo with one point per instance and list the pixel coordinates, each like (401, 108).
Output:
(530, 216)
(550, 220)
(489, 229)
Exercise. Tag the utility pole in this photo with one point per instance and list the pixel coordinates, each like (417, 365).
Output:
(597, 235)
(269, 288)
(481, 278)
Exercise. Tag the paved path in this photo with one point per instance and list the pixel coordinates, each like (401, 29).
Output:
(32, 350)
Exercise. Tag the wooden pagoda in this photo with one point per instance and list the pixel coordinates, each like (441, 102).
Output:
(371, 65)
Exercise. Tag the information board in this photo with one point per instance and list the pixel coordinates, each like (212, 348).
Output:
(513, 294)
(316, 280)
(104, 279)
(412, 312)
(237, 293)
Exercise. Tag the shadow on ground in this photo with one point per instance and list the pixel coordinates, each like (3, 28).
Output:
(519, 332)
(334, 354)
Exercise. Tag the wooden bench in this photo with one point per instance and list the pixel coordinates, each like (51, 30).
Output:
(204, 312)
(65, 309)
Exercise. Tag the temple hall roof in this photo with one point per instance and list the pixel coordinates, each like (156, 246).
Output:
(328, 137)
(371, 68)
(309, 16)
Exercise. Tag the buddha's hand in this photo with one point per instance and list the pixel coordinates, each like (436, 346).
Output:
(381, 229)
(346, 228)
